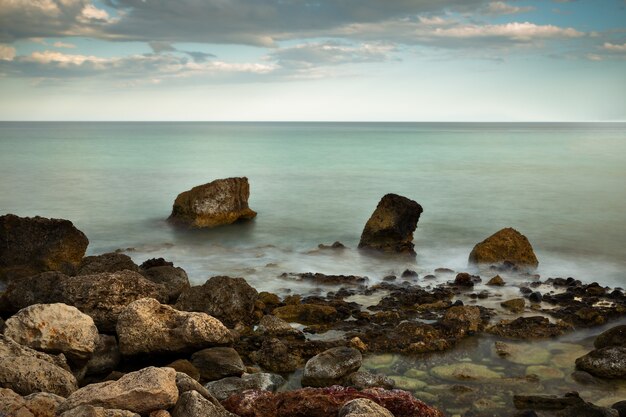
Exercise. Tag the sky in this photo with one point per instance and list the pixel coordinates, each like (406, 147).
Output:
(313, 60)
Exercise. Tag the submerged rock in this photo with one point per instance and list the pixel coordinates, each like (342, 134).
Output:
(391, 226)
(29, 245)
(506, 247)
(108, 262)
(331, 366)
(608, 362)
(219, 202)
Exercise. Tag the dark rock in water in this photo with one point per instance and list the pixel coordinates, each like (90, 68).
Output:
(226, 387)
(275, 356)
(535, 297)
(324, 402)
(547, 402)
(364, 379)
(608, 362)
(536, 327)
(307, 313)
(391, 226)
(217, 363)
(463, 279)
(615, 336)
(331, 366)
(230, 300)
(409, 273)
(363, 407)
(507, 246)
(324, 279)
(586, 378)
(515, 305)
(335, 245)
(174, 280)
(219, 202)
(466, 317)
(389, 278)
(108, 262)
(30, 245)
(620, 406)
(154, 262)
(496, 281)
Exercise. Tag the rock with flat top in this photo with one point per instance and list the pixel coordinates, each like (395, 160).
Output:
(508, 248)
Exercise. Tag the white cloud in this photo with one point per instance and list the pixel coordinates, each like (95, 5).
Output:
(7, 53)
(315, 54)
(502, 8)
(612, 47)
(64, 45)
(91, 13)
(517, 31)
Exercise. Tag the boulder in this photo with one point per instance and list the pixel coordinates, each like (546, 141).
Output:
(468, 317)
(42, 288)
(391, 226)
(364, 379)
(515, 305)
(275, 356)
(141, 392)
(363, 407)
(185, 367)
(226, 387)
(535, 327)
(29, 245)
(105, 358)
(230, 300)
(496, 281)
(174, 280)
(277, 327)
(147, 326)
(91, 411)
(108, 262)
(507, 247)
(547, 402)
(608, 362)
(54, 328)
(192, 404)
(217, 363)
(219, 202)
(40, 404)
(615, 336)
(185, 383)
(331, 366)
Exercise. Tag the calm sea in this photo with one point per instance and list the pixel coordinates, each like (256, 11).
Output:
(562, 185)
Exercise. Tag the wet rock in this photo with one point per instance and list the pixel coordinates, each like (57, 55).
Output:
(323, 402)
(307, 313)
(324, 279)
(224, 388)
(192, 404)
(547, 402)
(587, 410)
(217, 363)
(535, 297)
(91, 411)
(174, 280)
(515, 305)
(155, 262)
(331, 366)
(468, 317)
(463, 279)
(108, 262)
(29, 245)
(544, 372)
(464, 371)
(275, 356)
(230, 300)
(54, 328)
(620, 406)
(523, 354)
(391, 226)
(615, 336)
(147, 326)
(608, 362)
(505, 247)
(364, 379)
(105, 357)
(185, 367)
(409, 273)
(142, 391)
(496, 281)
(220, 202)
(536, 327)
(335, 245)
(274, 326)
(362, 407)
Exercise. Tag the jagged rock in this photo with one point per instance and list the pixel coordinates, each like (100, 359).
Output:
(192, 404)
(505, 247)
(224, 388)
(496, 281)
(174, 280)
(147, 326)
(107, 262)
(106, 357)
(274, 326)
(275, 356)
(54, 328)
(516, 305)
(391, 226)
(217, 363)
(307, 313)
(608, 362)
(91, 411)
(141, 392)
(363, 407)
(230, 300)
(466, 316)
(536, 327)
(219, 202)
(331, 366)
(29, 245)
(615, 336)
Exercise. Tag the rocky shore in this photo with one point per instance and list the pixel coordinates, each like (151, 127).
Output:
(103, 336)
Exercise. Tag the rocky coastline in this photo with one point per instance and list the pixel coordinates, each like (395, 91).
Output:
(104, 336)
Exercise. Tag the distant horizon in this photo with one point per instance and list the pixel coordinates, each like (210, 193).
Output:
(331, 121)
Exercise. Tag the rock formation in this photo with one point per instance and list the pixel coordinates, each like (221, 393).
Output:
(508, 248)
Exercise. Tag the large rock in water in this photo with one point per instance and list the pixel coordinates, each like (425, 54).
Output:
(507, 247)
(391, 227)
(29, 245)
(147, 326)
(219, 202)
(607, 362)
(331, 366)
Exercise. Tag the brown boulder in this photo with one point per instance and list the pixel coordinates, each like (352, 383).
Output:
(306, 313)
(391, 226)
(507, 247)
(107, 262)
(219, 202)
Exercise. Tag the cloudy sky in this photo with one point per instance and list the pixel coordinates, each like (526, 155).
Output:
(372, 60)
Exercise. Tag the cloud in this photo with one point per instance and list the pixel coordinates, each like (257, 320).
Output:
(7, 53)
(612, 47)
(515, 31)
(64, 45)
(502, 8)
(329, 53)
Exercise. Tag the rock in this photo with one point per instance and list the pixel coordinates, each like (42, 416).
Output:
(362, 407)
(35, 405)
(142, 391)
(192, 404)
(535, 297)
(587, 410)
(515, 305)
(230, 300)
(154, 262)
(275, 356)
(91, 411)
(615, 336)
(544, 372)
(160, 413)
(185, 367)
(546, 402)
(106, 357)
(620, 406)
(335, 245)
(463, 279)
(29, 245)
(224, 388)
(464, 371)
(219, 202)
(324, 279)
(409, 273)
(174, 280)
(391, 226)
(608, 362)
(274, 326)
(496, 281)
(468, 317)
(108, 262)
(43, 288)
(27, 371)
(364, 379)
(54, 328)
(185, 383)
(307, 313)
(331, 366)
(505, 247)
(147, 326)
(323, 402)
(536, 327)
(217, 363)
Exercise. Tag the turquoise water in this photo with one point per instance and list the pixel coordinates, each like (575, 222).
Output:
(562, 185)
